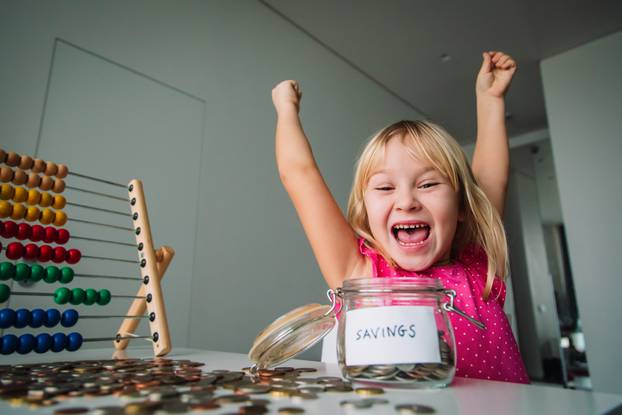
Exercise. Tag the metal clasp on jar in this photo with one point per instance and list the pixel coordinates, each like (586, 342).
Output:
(450, 306)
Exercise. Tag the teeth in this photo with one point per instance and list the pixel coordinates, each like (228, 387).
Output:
(419, 225)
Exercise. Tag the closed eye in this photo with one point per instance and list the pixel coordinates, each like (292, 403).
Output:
(428, 185)
(384, 188)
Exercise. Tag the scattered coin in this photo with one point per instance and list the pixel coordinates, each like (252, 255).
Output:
(291, 410)
(369, 391)
(414, 409)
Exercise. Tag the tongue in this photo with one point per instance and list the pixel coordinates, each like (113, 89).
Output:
(412, 236)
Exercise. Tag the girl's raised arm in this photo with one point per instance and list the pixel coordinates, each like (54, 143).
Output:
(491, 158)
(333, 241)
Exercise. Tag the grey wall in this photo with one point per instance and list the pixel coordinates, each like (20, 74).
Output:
(583, 94)
(251, 259)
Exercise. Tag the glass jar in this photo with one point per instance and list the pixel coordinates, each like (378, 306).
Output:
(395, 331)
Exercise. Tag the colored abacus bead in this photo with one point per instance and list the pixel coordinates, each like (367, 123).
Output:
(37, 272)
(12, 159)
(59, 340)
(22, 318)
(62, 237)
(90, 296)
(5, 209)
(9, 343)
(66, 275)
(74, 341)
(22, 272)
(31, 251)
(52, 274)
(10, 229)
(38, 166)
(19, 211)
(37, 232)
(46, 199)
(7, 318)
(73, 256)
(38, 317)
(33, 180)
(59, 202)
(77, 296)
(23, 231)
(14, 250)
(59, 186)
(26, 343)
(60, 218)
(69, 318)
(52, 317)
(63, 170)
(7, 271)
(50, 169)
(20, 195)
(47, 216)
(103, 297)
(45, 253)
(49, 235)
(43, 343)
(62, 295)
(25, 162)
(32, 214)
(46, 183)
(59, 254)
(6, 191)
(20, 177)
(5, 292)
(33, 197)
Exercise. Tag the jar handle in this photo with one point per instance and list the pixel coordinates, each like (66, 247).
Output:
(451, 307)
(332, 297)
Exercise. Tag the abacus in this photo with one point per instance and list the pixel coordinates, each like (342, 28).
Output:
(31, 192)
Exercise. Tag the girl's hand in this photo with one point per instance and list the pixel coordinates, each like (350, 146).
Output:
(286, 96)
(495, 75)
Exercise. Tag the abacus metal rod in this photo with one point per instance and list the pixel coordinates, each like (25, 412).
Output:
(79, 189)
(113, 316)
(52, 294)
(103, 240)
(115, 277)
(116, 212)
(105, 258)
(100, 224)
(100, 339)
(84, 176)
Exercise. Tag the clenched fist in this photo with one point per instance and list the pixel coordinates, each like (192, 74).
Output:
(286, 96)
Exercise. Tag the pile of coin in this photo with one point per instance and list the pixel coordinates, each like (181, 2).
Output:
(416, 373)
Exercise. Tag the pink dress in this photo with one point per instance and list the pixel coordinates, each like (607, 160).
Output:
(485, 354)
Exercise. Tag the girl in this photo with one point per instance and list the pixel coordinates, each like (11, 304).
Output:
(416, 209)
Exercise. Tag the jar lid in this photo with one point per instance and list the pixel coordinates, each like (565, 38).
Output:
(392, 284)
(291, 334)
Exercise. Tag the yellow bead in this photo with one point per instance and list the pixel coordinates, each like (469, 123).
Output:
(60, 218)
(6, 192)
(19, 211)
(33, 197)
(47, 216)
(20, 195)
(5, 209)
(46, 199)
(32, 214)
(59, 202)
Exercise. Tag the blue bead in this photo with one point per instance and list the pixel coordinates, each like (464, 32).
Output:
(26, 343)
(38, 317)
(22, 318)
(74, 341)
(43, 342)
(69, 318)
(9, 343)
(52, 317)
(58, 342)
(7, 318)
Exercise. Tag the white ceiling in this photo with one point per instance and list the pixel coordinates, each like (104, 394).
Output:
(398, 44)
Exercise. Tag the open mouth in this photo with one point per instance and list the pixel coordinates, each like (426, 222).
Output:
(411, 234)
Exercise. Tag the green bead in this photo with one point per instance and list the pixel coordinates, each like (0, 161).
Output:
(62, 295)
(7, 271)
(36, 272)
(5, 292)
(77, 296)
(103, 297)
(22, 272)
(91, 296)
(52, 274)
(66, 275)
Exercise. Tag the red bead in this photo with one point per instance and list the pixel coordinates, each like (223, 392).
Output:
(50, 235)
(14, 250)
(23, 231)
(62, 236)
(59, 254)
(37, 233)
(31, 251)
(10, 229)
(45, 253)
(73, 256)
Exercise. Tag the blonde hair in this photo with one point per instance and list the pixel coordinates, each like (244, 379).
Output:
(481, 224)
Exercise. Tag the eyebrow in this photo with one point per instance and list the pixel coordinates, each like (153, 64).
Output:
(388, 171)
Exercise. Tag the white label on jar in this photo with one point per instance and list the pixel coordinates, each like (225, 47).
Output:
(389, 335)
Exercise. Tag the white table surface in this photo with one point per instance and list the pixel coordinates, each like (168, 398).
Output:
(464, 396)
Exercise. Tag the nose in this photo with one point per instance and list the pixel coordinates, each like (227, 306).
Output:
(406, 200)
